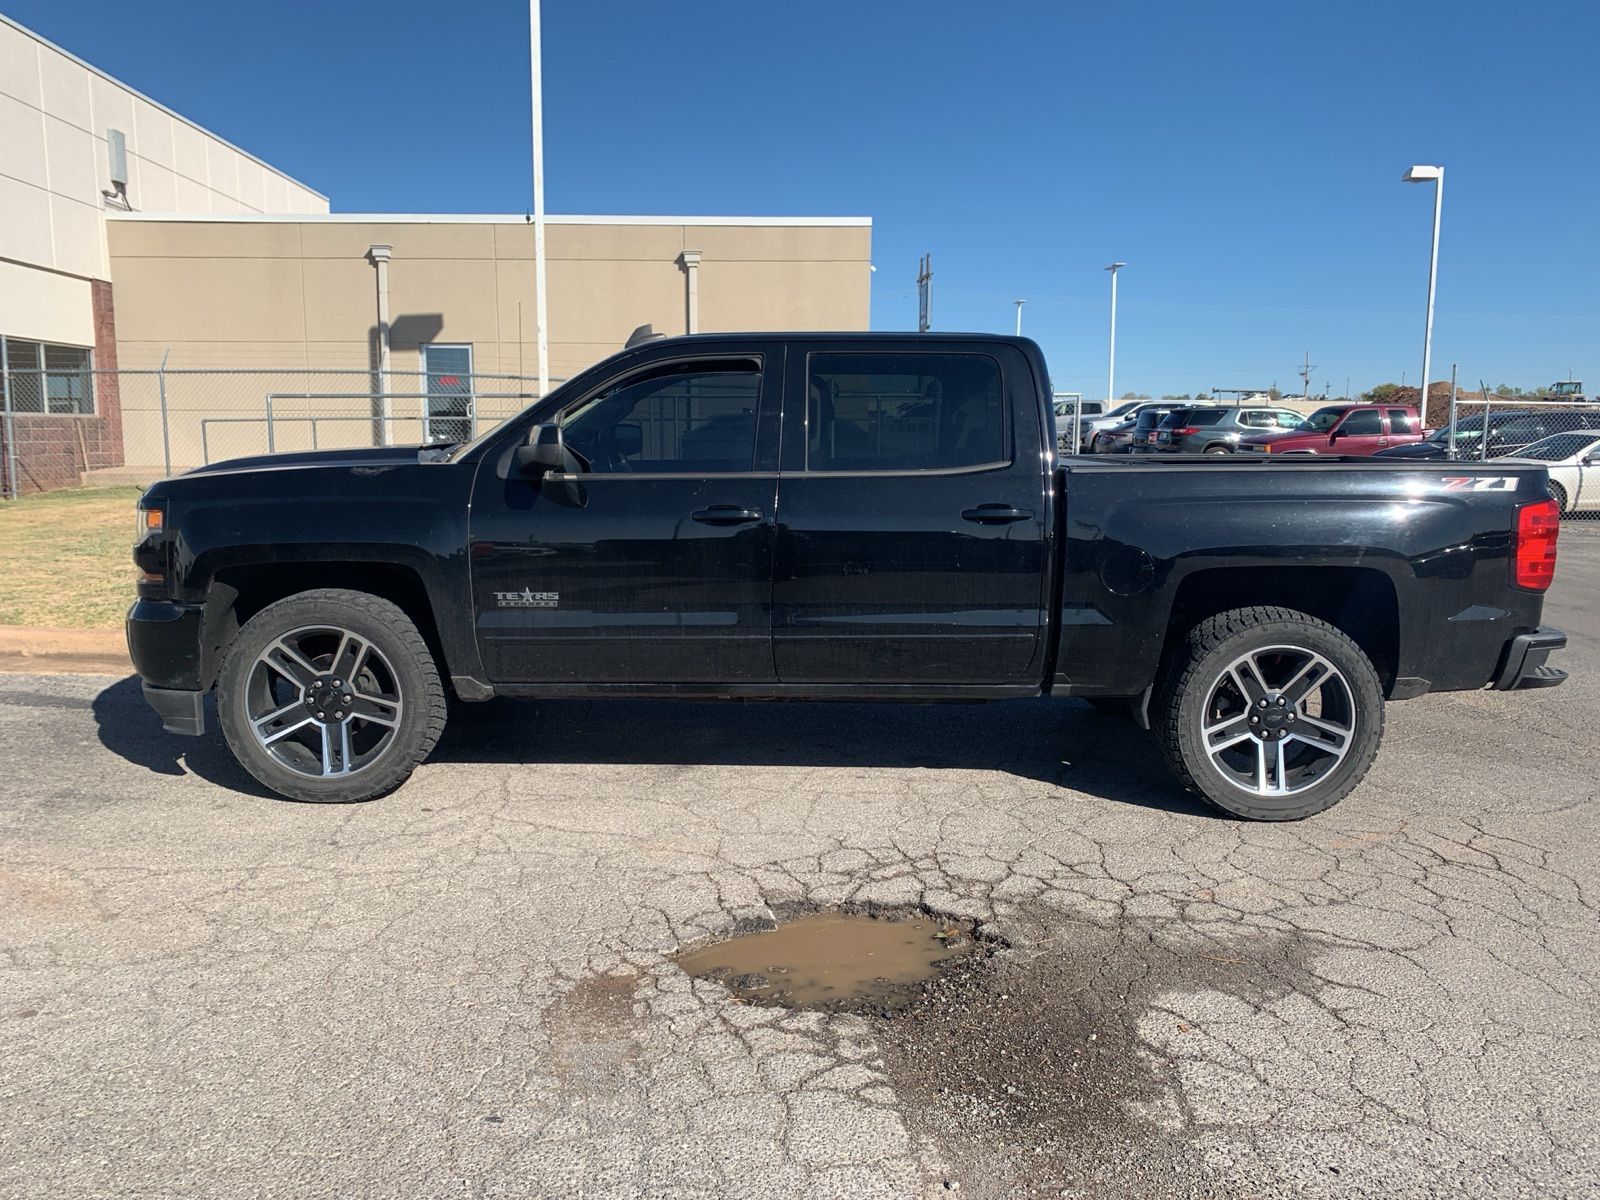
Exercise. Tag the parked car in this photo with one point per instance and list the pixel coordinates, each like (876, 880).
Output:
(870, 517)
(1573, 461)
(1071, 418)
(1214, 429)
(1114, 440)
(1122, 414)
(1509, 432)
(1145, 424)
(1355, 429)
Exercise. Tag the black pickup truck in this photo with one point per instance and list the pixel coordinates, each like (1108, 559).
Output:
(867, 517)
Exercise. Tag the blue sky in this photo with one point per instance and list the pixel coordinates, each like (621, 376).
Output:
(1243, 158)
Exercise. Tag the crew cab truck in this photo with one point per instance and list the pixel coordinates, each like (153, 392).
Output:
(865, 517)
(1345, 429)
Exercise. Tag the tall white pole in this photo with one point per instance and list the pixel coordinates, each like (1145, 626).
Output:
(1433, 272)
(1111, 368)
(539, 307)
(1019, 304)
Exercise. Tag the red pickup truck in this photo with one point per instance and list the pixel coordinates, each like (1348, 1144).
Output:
(1344, 429)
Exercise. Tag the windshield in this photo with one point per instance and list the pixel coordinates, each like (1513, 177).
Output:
(1559, 446)
(1124, 408)
(1321, 421)
(1467, 427)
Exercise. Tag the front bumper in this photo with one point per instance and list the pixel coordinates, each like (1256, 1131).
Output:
(165, 644)
(180, 712)
(1522, 664)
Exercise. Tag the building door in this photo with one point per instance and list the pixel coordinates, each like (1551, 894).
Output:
(648, 560)
(447, 385)
(913, 519)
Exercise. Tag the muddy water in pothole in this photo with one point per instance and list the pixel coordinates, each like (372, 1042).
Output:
(831, 960)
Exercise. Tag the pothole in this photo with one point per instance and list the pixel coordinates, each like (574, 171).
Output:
(1057, 1070)
(836, 961)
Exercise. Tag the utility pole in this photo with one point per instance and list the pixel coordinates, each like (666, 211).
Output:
(1020, 303)
(1305, 376)
(924, 293)
(1111, 365)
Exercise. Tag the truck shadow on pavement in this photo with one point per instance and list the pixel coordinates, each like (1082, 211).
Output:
(1062, 743)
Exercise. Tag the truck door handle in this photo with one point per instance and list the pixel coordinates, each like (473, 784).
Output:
(726, 514)
(996, 514)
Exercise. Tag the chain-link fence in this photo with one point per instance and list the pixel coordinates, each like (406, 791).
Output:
(61, 427)
(1563, 435)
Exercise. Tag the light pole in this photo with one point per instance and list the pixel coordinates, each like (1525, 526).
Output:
(537, 114)
(1019, 304)
(1434, 175)
(1111, 368)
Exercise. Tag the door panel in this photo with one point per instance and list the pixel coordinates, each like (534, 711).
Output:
(1361, 432)
(920, 573)
(613, 579)
(648, 560)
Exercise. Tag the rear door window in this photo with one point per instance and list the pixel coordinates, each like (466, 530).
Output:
(904, 412)
(1401, 421)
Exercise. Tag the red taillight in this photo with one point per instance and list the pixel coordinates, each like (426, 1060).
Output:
(1188, 429)
(1533, 564)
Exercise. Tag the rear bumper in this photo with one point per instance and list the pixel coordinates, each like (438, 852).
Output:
(1522, 664)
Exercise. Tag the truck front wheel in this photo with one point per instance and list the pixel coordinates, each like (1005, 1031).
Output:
(330, 696)
(1269, 713)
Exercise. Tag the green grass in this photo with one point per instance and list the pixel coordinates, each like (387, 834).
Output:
(66, 558)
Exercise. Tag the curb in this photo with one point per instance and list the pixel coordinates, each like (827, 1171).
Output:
(25, 650)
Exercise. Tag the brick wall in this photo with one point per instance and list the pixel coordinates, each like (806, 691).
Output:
(54, 451)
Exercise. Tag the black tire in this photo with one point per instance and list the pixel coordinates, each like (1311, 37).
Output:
(1193, 675)
(1559, 495)
(1218, 450)
(406, 657)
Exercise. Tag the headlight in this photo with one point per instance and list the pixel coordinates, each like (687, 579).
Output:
(148, 521)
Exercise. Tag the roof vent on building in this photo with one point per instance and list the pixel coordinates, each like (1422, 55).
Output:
(645, 333)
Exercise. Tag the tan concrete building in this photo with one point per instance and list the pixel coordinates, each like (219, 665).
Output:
(280, 293)
(76, 144)
(129, 237)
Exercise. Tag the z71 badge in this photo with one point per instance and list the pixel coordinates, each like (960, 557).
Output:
(1480, 483)
(528, 599)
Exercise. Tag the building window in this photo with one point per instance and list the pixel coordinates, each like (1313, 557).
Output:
(41, 378)
(447, 378)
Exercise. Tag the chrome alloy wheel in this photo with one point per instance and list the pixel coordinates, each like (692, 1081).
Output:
(1278, 720)
(323, 701)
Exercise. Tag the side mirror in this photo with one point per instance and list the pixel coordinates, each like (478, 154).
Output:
(544, 450)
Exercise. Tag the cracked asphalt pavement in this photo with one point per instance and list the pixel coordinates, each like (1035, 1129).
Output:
(465, 989)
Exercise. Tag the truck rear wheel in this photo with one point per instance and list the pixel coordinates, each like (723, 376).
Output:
(330, 696)
(1269, 713)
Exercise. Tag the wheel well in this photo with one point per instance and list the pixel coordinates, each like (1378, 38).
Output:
(238, 593)
(1359, 601)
